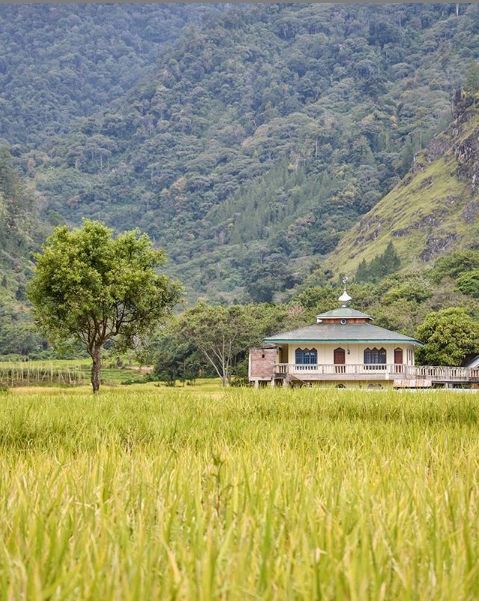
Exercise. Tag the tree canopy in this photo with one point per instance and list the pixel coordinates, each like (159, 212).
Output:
(471, 82)
(247, 147)
(220, 333)
(468, 283)
(449, 336)
(223, 334)
(86, 56)
(303, 116)
(379, 267)
(94, 287)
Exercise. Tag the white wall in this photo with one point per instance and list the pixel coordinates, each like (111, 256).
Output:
(356, 352)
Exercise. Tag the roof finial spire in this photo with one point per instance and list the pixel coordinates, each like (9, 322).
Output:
(344, 298)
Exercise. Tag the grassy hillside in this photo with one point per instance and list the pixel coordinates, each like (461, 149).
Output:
(432, 211)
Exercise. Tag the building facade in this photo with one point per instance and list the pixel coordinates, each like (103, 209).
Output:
(344, 349)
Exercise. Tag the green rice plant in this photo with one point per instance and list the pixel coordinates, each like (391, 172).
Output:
(200, 493)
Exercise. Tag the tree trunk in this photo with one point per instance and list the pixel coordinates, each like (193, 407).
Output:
(95, 369)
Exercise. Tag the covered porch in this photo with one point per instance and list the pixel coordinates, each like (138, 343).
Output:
(400, 374)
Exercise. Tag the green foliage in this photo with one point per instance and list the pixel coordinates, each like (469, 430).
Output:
(262, 135)
(471, 82)
(432, 210)
(224, 334)
(94, 288)
(468, 283)
(449, 336)
(413, 287)
(455, 264)
(17, 220)
(221, 334)
(319, 298)
(382, 265)
(18, 334)
(85, 57)
(19, 233)
(402, 300)
(263, 128)
(177, 358)
(264, 278)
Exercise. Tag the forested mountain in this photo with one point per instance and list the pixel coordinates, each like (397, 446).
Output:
(20, 232)
(18, 217)
(249, 144)
(262, 135)
(59, 62)
(434, 209)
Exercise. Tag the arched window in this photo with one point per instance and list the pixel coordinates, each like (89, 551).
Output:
(375, 356)
(306, 356)
(339, 356)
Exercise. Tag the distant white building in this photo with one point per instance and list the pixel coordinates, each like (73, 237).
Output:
(343, 349)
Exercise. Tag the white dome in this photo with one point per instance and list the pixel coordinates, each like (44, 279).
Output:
(344, 298)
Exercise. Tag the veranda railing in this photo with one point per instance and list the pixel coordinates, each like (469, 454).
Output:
(396, 370)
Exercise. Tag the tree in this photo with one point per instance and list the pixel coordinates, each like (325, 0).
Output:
(319, 298)
(471, 83)
(265, 278)
(362, 272)
(222, 334)
(468, 283)
(93, 287)
(382, 265)
(184, 350)
(177, 359)
(390, 259)
(449, 335)
(455, 264)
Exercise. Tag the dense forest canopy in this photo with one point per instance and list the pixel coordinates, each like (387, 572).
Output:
(60, 62)
(301, 115)
(20, 232)
(249, 141)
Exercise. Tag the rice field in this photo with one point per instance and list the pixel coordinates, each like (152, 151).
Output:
(196, 493)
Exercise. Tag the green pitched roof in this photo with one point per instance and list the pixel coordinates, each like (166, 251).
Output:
(343, 312)
(324, 333)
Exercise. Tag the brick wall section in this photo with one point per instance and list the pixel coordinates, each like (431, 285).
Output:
(261, 363)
